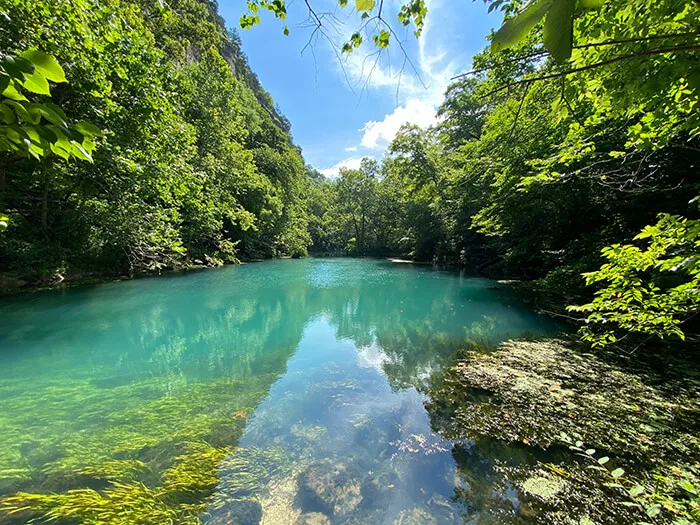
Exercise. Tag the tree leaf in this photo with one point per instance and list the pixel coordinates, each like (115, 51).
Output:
(50, 115)
(8, 117)
(520, 25)
(559, 29)
(46, 65)
(364, 5)
(20, 110)
(4, 81)
(88, 129)
(80, 152)
(603, 460)
(592, 4)
(636, 490)
(36, 83)
(654, 510)
(12, 91)
(618, 472)
(16, 67)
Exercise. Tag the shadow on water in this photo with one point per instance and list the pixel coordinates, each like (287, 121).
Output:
(285, 391)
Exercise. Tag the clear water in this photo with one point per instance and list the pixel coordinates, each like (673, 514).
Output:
(308, 376)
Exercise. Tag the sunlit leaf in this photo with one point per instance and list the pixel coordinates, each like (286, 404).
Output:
(46, 65)
(36, 83)
(364, 5)
(517, 27)
(558, 29)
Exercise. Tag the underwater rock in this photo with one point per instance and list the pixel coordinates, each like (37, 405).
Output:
(241, 512)
(329, 488)
(313, 518)
(415, 516)
(313, 433)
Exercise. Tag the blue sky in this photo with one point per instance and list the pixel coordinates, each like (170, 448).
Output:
(344, 109)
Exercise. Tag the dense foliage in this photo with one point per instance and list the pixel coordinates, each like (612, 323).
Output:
(195, 165)
(544, 156)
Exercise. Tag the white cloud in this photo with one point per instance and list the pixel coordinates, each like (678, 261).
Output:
(419, 92)
(352, 163)
(351, 148)
(378, 135)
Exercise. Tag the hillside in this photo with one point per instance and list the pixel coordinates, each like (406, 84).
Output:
(197, 165)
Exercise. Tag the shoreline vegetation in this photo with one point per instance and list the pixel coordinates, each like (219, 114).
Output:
(13, 284)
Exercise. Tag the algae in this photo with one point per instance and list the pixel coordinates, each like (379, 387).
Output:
(637, 423)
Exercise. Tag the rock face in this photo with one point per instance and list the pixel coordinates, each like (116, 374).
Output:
(330, 489)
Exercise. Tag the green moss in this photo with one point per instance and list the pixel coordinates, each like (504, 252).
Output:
(543, 487)
(516, 402)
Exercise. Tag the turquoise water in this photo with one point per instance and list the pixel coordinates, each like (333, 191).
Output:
(307, 376)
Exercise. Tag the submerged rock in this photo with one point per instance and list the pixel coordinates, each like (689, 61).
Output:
(329, 488)
(415, 516)
(313, 518)
(242, 512)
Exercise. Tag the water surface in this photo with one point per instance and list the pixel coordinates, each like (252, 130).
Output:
(307, 377)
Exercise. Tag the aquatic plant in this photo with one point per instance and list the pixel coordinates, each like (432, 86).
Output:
(527, 397)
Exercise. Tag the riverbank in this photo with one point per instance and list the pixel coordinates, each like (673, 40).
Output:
(11, 283)
(587, 436)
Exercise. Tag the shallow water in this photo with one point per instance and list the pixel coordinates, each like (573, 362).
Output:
(308, 374)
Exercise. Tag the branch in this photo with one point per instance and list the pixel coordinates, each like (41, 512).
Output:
(582, 46)
(509, 61)
(595, 65)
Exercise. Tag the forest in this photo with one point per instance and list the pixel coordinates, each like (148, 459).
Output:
(567, 158)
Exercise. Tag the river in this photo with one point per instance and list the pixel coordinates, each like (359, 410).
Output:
(288, 391)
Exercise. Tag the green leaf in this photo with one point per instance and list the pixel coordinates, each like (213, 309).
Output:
(20, 110)
(50, 115)
(53, 107)
(4, 81)
(654, 510)
(12, 91)
(618, 472)
(58, 150)
(520, 25)
(614, 485)
(80, 152)
(603, 460)
(8, 117)
(559, 29)
(85, 128)
(46, 65)
(636, 491)
(16, 67)
(364, 5)
(36, 83)
(286, 31)
(592, 4)
(685, 485)
(48, 135)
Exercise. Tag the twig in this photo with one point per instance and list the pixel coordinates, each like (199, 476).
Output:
(595, 65)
